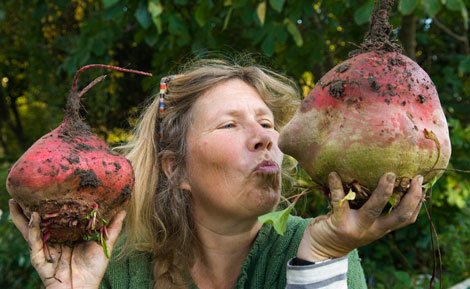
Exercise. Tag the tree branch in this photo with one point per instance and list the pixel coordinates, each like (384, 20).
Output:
(448, 31)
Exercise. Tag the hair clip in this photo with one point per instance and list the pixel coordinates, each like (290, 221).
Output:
(161, 104)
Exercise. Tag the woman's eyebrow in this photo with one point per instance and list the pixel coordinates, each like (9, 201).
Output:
(258, 111)
(240, 112)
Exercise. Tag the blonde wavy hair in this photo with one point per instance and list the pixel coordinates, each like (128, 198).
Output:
(159, 219)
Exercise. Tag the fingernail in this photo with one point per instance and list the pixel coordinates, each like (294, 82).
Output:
(31, 221)
(391, 177)
(420, 179)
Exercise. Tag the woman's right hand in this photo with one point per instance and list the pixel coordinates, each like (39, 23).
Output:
(80, 266)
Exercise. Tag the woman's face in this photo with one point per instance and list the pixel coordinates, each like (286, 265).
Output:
(233, 161)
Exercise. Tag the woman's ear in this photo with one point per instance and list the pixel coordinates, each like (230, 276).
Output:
(169, 165)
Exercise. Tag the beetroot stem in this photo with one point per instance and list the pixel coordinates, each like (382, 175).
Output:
(90, 85)
(86, 67)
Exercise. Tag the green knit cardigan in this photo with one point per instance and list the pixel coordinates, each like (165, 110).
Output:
(263, 268)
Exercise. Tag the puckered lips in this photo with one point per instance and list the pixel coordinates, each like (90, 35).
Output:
(267, 167)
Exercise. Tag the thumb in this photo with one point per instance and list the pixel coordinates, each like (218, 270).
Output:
(337, 195)
(114, 228)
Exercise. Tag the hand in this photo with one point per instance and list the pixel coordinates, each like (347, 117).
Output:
(82, 266)
(343, 229)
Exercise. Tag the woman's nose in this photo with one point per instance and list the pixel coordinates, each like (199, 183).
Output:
(260, 140)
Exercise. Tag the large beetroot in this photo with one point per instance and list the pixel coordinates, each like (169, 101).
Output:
(376, 112)
(72, 178)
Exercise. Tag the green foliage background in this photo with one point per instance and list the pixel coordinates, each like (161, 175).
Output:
(43, 43)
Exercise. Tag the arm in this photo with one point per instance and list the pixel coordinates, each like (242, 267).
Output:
(80, 266)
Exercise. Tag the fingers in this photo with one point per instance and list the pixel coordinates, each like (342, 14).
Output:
(408, 209)
(35, 240)
(337, 195)
(114, 228)
(18, 218)
(373, 208)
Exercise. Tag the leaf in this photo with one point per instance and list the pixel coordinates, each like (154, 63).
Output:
(350, 196)
(430, 184)
(268, 45)
(202, 13)
(143, 16)
(464, 12)
(158, 23)
(155, 8)
(392, 201)
(114, 11)
(227, 18)
(105, 246)
(278, 219)
(261, 12)
(151, 39)
(238, 4)
(406, 7)
(109, 3)
(404, 277)
(464, 65)
(98, 47)
(277, 5)
(455, 5)
(431, 7)
(294, 31)
(362, 15)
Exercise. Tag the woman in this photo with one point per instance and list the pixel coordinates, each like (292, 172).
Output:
(206, 166)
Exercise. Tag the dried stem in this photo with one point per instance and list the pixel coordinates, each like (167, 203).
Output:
(434, 233)
(377, 37)
(90, 85)
(445, 169)
(86, 67)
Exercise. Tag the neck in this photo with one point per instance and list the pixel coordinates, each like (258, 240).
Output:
(222, 250)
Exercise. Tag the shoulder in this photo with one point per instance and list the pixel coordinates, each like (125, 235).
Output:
(127, 270)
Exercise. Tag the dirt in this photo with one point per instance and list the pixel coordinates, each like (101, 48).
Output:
(378, 36)
(343, 67)
(74, 126)
(123, 196)
(73, 160)
(421, 98)
(88, 178)
(373, 83)
(84, 147)
(337, 89)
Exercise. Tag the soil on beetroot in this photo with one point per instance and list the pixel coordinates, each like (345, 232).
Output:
(87, 178)
(71, 216)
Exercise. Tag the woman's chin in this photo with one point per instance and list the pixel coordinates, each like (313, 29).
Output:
(267, 201)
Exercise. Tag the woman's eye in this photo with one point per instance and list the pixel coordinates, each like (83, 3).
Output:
(228, 125)
(266, 125)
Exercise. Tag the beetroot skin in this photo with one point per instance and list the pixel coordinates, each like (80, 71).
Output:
(71, 178)
(375, 112)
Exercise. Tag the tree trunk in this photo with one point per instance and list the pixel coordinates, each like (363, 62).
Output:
(19, 132)
(17, 127)
(407, 35)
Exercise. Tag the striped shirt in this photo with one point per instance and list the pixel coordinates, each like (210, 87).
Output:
(328, 274)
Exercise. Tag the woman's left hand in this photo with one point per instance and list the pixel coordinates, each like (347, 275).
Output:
(344, 229)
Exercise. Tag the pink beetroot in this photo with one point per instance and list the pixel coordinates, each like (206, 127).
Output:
(71, 177)
(375, 112)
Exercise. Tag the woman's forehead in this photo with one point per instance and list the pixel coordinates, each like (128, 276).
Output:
(231, 97)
